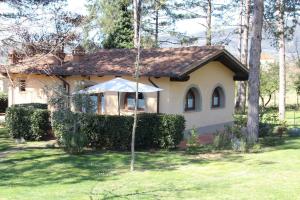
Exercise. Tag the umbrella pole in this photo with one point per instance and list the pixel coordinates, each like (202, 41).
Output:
(119, 103)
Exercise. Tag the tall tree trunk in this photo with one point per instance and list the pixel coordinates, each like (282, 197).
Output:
(254, 73)
(208, 23)
(282, 71)
(137, 75)
(242, 86)
(136, 20)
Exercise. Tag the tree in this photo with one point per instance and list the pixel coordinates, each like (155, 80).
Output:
(109, 24)
(137, 16)
(254, 71)
(241, 91)
(281, 18)
(59, 31)
(269, 83)
(137, 6)
(122, 34)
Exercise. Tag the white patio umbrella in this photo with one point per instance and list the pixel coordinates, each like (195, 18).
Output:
(119, 85)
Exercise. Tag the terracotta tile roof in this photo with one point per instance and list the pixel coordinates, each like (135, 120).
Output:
(162, 62)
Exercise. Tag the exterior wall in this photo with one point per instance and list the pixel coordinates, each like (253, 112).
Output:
(172, 98)
(34, 93)
(205, 79)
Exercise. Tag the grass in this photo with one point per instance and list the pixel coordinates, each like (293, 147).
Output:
(5, 142)
(293, 118)
(49, 173)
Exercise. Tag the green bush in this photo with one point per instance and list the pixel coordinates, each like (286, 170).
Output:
(27, 122)
(114, 132)
(67, 129)
(3, 102)
(40, 124)
(32, 105)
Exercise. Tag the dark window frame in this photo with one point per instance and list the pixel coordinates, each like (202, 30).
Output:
(188, 94)
(132, 94)
(216, 93)
(22, 85)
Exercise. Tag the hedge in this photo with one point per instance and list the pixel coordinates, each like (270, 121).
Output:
(3, 102)
(27, 122)
(32, 105)
(114, 132)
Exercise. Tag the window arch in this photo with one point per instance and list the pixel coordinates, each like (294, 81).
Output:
(218, 98)
(192, 100)
(129, 101)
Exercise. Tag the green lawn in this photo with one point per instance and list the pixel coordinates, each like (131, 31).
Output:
(41, 173)
(5, 142)
(293, 118)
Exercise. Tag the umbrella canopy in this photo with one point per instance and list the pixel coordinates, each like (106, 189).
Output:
(119, 85)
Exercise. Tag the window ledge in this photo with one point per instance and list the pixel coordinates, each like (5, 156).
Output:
(191, 111)
(217, 108)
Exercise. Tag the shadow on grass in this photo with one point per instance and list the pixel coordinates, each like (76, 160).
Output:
(40, 166)
(159, 193)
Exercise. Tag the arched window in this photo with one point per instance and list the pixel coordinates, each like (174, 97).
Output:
(218, 99)
(190, 100)
(130, 101)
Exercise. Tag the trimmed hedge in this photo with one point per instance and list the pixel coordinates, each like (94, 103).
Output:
(32, 105)
(27, 122)
(114, 132)
(3, 102)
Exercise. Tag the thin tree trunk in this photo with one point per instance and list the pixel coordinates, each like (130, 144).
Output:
(254, 73)
(156, 23)
(282, 71)
(208, 22)
(137, 72)
(242, 86)
(136, 20)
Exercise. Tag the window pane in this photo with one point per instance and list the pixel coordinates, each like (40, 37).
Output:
(141, 103)
(130, 103)
(190, 103)
(216, 101)
(94, 99)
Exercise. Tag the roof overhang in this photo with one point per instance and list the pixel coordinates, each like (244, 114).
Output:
(226, 58)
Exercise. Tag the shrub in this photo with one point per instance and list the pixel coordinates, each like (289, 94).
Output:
(231, 138)
(3, 102)
(40, 124)
(193, 143)
(32, 105)
(67, 129)
(114, 132)
(27, 122)
(272, 141)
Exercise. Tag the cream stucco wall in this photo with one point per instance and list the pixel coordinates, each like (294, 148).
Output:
(171, 98)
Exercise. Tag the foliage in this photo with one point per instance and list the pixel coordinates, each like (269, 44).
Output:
(66, 126)
(122, 34)
(290, 11)
(193, 142)
(58, 97)
(27, 122)
(114, 132)
(112, 20)
(32, 105)
(297, 85)
(269, 83)
(82, 102)
(40, 123)
(3, 102)
(272, 141)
